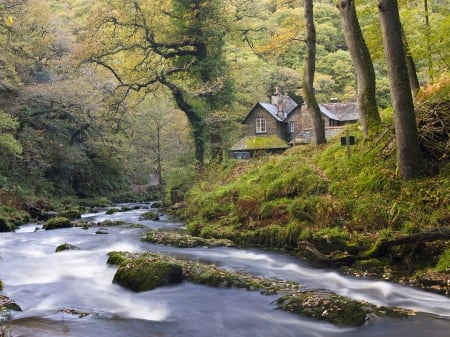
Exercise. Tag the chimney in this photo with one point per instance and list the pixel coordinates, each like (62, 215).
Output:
(277, 99)
(275, 96)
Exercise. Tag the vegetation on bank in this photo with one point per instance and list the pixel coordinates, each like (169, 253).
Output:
(319, 203)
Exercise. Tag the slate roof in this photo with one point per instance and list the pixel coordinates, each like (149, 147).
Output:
(289, 105)
(340, 111)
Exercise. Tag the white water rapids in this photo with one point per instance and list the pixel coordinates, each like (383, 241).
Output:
(47, 285)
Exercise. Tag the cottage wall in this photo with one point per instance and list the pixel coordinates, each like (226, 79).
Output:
(272, 126)
(307, 119)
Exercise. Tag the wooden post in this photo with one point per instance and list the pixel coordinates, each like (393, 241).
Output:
(347, 142)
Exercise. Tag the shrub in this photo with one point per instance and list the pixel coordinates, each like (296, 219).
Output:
(443, 264)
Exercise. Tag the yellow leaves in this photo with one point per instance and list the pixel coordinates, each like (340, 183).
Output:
(8, 21)
(440, 91)
(285, 28)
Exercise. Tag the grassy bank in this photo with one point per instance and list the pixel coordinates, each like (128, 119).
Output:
(316, 202)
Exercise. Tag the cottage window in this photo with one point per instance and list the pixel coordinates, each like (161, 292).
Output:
(261, 125)
(291, 127)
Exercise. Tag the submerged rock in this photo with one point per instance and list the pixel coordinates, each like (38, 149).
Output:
(150, 215)
(336, 309)
(184, 240)
(66, 246)
(7, 304)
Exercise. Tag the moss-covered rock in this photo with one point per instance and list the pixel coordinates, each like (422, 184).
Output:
(336, 309)
(66, 246)
(150, 215)
(184, 240)
(146, 273)
(119, 258)
(156, 204)
(6, 225)
(71, 214)
(112, 211)
(438, 282)
(7, 304)
(56, 223)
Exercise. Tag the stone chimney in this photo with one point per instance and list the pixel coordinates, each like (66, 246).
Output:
(277, 99)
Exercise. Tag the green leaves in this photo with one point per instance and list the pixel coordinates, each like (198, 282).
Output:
(7, 141)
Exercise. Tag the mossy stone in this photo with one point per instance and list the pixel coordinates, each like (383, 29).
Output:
(150, 215)
(71, 214)
(112, 211)
(58, 222)
(7, 304)
(144, 274)
(66, 246)
(326, 306)
(118, 258)
(5, 225)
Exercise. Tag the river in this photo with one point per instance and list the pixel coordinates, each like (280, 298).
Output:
(50, 287)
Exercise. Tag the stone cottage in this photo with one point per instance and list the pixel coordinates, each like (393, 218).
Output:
(274, 127)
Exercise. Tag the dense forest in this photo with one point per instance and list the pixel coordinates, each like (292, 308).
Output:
(100, 96)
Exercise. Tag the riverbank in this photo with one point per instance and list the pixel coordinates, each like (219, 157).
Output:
(353, 214)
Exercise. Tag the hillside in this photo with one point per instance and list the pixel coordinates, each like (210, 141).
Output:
(353, 213)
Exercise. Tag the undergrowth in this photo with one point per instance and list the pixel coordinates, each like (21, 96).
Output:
(319, 194)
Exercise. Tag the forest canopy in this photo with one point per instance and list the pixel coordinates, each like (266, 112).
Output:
(97, 94)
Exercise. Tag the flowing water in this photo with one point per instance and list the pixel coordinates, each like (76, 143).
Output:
(51, 286)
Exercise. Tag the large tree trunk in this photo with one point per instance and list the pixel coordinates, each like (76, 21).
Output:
(411, 65)
(308, 77)
(195, 121)
(409, 157)
(365, 74)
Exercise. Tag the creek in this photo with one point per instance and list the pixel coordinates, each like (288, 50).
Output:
(50, 287)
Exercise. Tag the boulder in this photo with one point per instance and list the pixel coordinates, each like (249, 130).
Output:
(146, 273)
(66, 246)
(56, 223)
(150, 215)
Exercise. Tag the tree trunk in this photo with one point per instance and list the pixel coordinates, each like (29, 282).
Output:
(381, 247)
(365, 74)
(409, 157)
(195, 121)
(308, 77)
(427, 34)
(411, 65)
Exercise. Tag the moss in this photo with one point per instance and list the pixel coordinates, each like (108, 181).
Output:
(184, 240)
(96, 202)
(71, 214)
(7, 304)
(336, 309)
(6, 225)
(145, 273)
(66, 246)
(150, 215)
(56, 223)
(261, 142)
(118, 258)
(443, 264)
(112, 211)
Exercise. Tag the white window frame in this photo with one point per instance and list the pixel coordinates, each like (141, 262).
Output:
(291, 126)
(261, 126)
